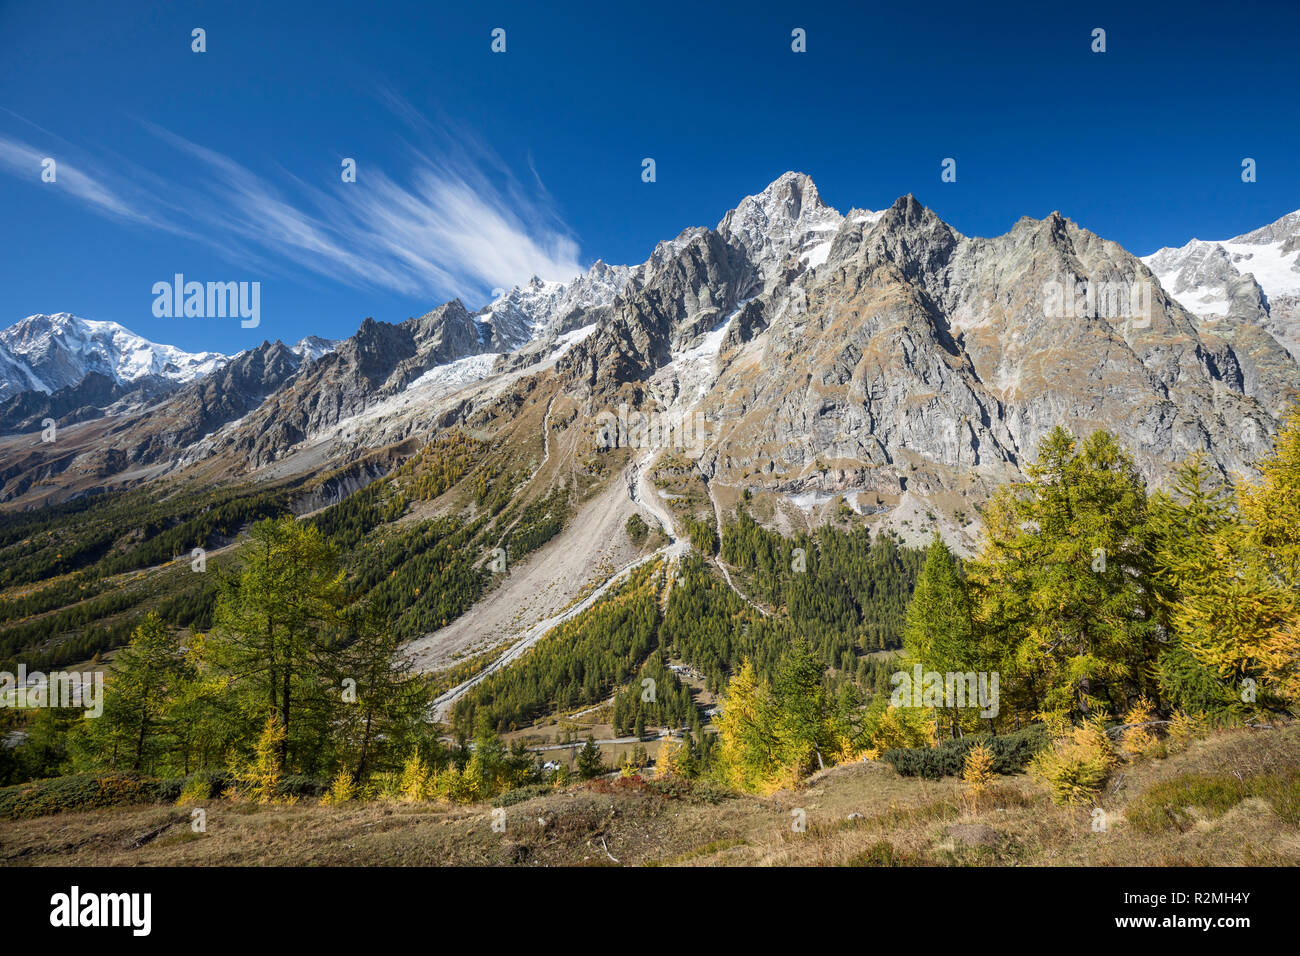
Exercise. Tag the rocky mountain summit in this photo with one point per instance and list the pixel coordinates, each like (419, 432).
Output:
(48, 352)
(881, 360)
(1252, 278)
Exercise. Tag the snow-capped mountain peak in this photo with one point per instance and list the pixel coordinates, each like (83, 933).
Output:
(788, 216)
(539, 306)
(312, 347)
(1271, 254)
(56, 351)
(1197, 275)
(1255, 276)
(1280, 231)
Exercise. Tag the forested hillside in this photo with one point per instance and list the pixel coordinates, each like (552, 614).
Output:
(1110, 623)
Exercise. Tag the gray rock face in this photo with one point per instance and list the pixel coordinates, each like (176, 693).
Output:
(224, 396)
(346, 381)
(684, 294)
(25, 411)
(917, 360)
(447, 333)
(874, 352)
(378, 362)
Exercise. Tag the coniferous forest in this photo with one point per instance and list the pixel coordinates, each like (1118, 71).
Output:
(1118, 621)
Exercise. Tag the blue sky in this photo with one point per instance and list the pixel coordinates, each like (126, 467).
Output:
(476, 169)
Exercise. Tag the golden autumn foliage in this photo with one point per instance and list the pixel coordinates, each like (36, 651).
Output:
(259, 779)
(1076, 767)
(1138, 738)
(667, 761)
(1234, 570)
(342, 790)
(1183, 729)
(977, 773)
(417, 780)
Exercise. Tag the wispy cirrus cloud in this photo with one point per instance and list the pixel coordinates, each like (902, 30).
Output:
(25, 161)
(459, 222)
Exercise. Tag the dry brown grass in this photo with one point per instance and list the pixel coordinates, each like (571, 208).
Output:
(857, 814)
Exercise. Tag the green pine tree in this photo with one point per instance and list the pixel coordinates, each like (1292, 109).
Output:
(590, 762)
(939, 633)
(136, 729)
(1064, 580)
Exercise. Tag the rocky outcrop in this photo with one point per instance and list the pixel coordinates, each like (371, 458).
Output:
(25, 411)
(879, 352)
(914, 358)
